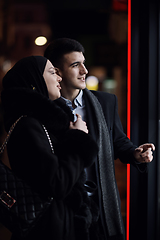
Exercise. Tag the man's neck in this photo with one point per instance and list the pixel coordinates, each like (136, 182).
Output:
(70, 95)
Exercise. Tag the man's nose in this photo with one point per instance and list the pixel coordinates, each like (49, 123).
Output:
(84, 69)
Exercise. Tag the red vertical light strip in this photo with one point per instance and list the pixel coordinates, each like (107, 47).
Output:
(128, 115)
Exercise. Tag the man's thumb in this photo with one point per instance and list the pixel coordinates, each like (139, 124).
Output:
(139, 149)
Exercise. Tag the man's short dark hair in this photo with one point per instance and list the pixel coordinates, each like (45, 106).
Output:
(59, 47)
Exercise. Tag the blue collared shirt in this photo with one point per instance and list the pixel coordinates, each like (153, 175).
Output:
(80, 106)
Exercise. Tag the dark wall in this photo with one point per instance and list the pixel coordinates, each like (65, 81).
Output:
(144, 217)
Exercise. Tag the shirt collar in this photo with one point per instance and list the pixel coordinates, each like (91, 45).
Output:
(78, 100)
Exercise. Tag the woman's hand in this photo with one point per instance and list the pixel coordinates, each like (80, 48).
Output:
(79, 124)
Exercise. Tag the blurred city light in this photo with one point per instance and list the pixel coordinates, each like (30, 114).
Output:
(92, 83)
(40, 41)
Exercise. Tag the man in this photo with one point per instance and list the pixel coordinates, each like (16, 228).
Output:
(100, 111)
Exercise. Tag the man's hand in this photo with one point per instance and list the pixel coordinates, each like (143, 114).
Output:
(143, 153)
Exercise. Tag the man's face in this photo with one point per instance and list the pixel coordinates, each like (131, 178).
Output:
(73, 71)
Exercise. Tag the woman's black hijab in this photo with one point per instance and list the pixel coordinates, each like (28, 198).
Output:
(20, 85)
(27, 73)
(25, 93)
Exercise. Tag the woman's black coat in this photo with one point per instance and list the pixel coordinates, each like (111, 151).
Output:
(59, 175)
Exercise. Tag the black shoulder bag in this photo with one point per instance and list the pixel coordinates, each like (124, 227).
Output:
(20, 206)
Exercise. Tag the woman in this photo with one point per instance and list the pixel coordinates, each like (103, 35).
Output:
(29, 89)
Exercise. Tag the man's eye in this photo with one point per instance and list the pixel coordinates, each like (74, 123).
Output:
(75, 65)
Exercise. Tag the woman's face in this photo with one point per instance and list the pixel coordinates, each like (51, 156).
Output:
(52, 81)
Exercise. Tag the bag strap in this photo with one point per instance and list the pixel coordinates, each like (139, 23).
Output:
(11, 130)
(49, 140)
(8, 135)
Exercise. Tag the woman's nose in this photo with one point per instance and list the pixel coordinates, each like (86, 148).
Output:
(59, 79)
